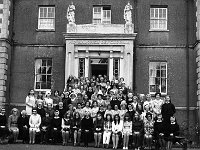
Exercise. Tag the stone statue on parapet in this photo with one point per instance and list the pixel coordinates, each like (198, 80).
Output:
(71, 14)
(128, 13)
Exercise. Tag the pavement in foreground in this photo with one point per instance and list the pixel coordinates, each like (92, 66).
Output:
(54, 147)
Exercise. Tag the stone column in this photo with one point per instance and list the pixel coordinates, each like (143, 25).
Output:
(129, 68)
(5, 49)
(76, 65)
(121, 74)
(3, 70)
(111, 66)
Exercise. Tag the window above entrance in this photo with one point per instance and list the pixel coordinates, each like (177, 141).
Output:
(99, 61)
(101, 14)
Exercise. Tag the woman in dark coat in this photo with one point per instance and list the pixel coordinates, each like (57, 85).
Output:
(45, 128)
(87, 127)
(167, 110)
(3, 125)
(98, 129)
(159, 131)
(56, 127)
(23, 124)
(172, 130)
(66, 126)
(76, 128)
(138, 128)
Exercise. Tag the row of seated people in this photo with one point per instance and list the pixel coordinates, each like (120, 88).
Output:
(129, 129)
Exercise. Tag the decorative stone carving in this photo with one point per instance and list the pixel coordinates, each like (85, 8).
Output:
(128, 13)
(71, 14)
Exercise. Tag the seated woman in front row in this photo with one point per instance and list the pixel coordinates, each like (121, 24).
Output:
(107, 130)
(172, 130)
(56, 127)
(86, 127)
(34, 123)
(117, 125)
(23, 124)
(137, 132)
(45, 128)
(159, 131)
(127, 130)
(76, 128)
(12, 124)
(98, 129)
(148, 131)
(66, 125)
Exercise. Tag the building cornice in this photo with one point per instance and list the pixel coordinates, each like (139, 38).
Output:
(163, 46)
(39, 45)
(91, 36)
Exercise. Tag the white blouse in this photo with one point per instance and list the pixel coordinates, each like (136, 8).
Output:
(117, 127)
(35, 121)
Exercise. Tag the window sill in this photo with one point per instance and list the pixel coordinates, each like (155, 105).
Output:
(162, 94)
(42, 90)
(45, 30)
(157, 30)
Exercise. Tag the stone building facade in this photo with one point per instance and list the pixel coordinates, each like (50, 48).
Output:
(43, 42)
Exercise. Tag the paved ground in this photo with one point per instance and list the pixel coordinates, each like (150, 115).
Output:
(51, 147)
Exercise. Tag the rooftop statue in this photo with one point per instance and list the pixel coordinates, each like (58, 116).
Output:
(71, 13)
(128, 13)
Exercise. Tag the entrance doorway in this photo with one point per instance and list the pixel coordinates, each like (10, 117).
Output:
(99, 66)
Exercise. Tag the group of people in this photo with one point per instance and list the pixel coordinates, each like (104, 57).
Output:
(94, 109)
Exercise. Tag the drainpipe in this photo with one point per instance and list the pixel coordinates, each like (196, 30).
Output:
(187, 66)
(135, 44)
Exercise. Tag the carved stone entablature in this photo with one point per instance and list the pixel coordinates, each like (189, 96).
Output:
(101, 28)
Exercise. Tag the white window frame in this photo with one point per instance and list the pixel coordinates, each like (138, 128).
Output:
(100, 17)
(158, 22)
(42, 19)
(154, 75)
(36, 73)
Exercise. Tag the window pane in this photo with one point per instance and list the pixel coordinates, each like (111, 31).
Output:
(156, 12)
(49, 62)
(49, 70)
(38, 78)
(163, 73)
(44, 78)
(45, 12)
(160, 13)
(152, 12)
(43, 70)
(48, 85)
(38, 66)
(157, 81)
(152, 88)
(43, 85)
(38, 85)
(151, 81)
(49, 78)
(165, 13)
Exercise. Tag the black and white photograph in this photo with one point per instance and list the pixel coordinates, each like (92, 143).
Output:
(100, 74)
